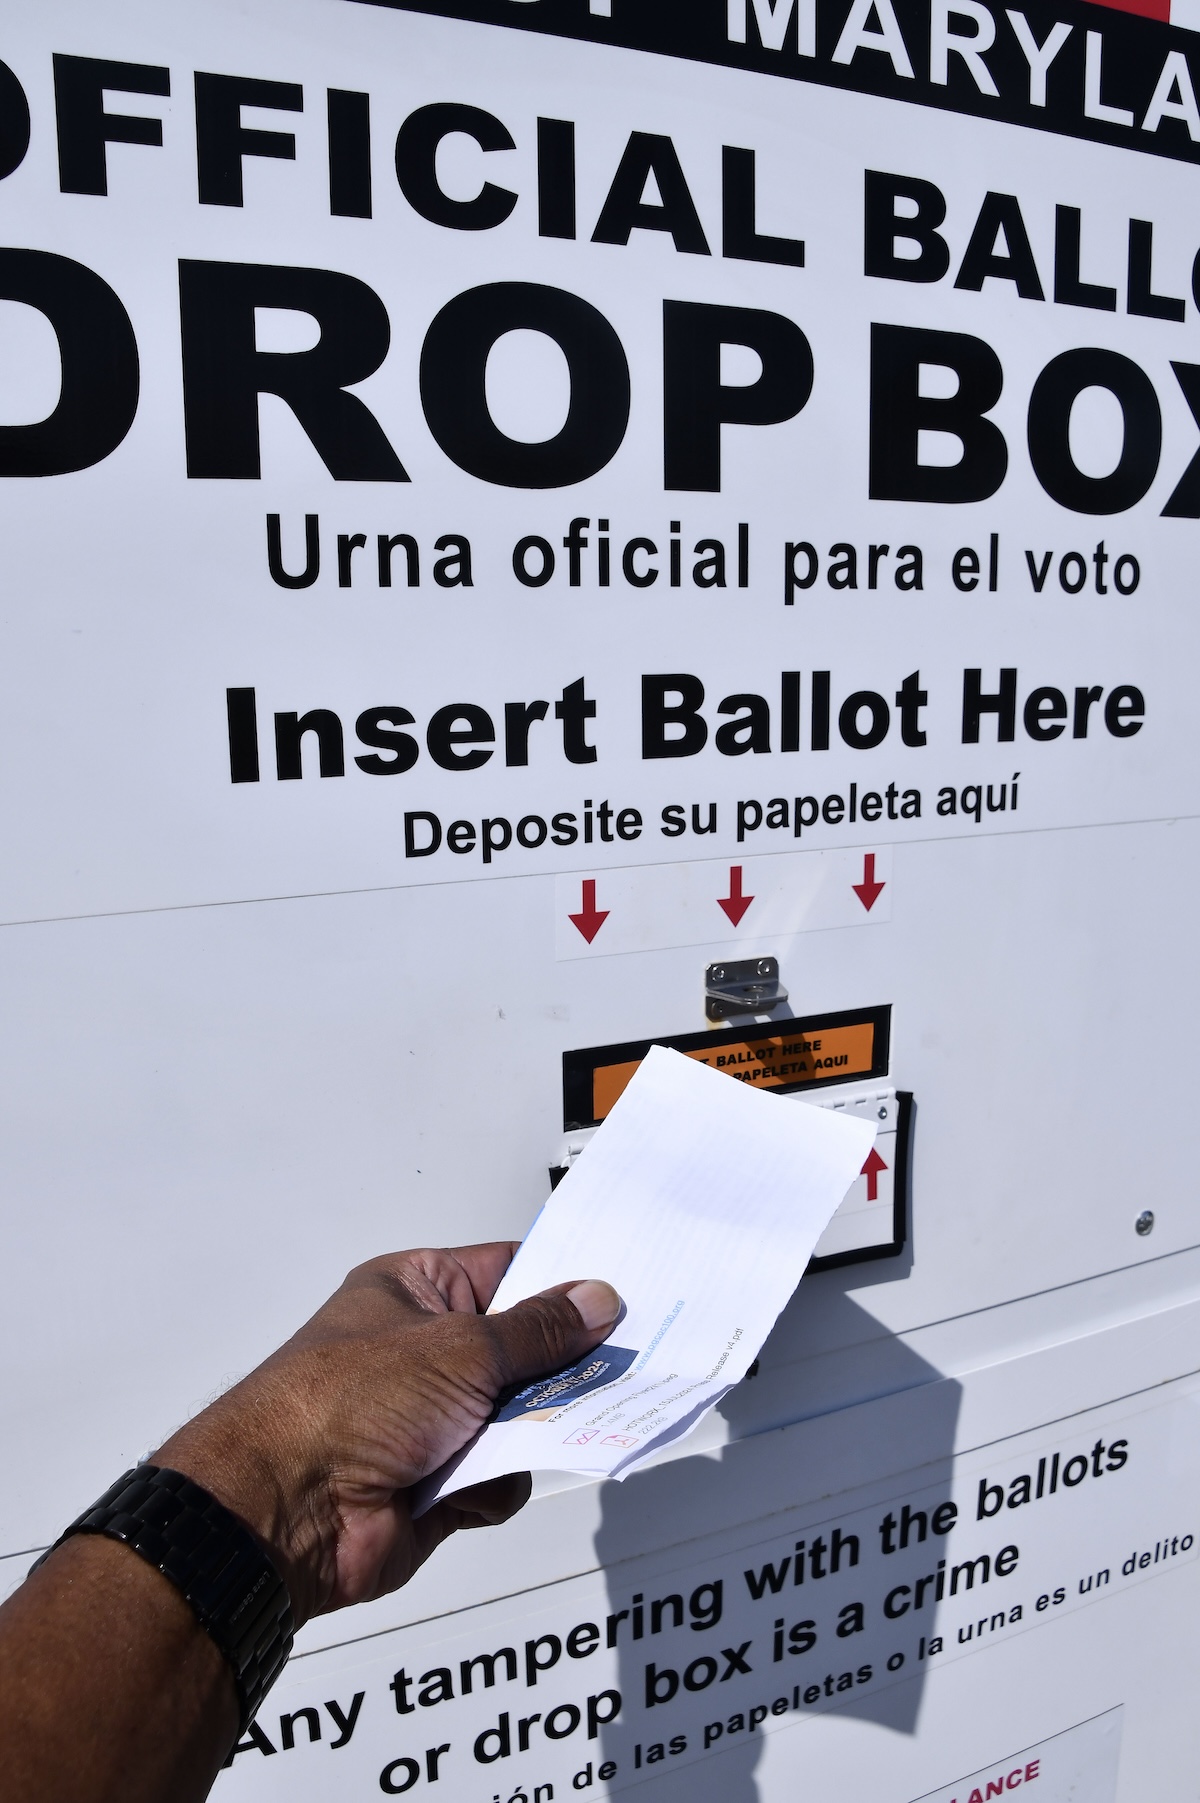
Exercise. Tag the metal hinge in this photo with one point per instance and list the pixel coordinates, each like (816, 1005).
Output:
(746, 986)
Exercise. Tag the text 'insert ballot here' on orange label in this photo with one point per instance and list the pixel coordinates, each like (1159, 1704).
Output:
(780, 1056)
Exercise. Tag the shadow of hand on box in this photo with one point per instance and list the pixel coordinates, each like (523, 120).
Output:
(775, 1577)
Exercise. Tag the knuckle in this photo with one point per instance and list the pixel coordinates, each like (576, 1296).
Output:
(412, 1277)
(551, 1318)
(469, 1349)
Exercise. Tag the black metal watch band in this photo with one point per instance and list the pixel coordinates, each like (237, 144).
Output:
(233, 1586)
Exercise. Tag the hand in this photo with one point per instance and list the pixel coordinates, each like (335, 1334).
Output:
(318, 1448)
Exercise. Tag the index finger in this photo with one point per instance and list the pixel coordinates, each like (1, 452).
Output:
(485, 1266)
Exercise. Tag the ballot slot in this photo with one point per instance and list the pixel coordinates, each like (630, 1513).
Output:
(809, 1052)
(872, 1222)
(832, 1061)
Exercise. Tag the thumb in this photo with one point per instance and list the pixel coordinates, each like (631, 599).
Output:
(546, 1332)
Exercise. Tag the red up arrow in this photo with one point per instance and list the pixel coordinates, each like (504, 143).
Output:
(868, 891)
(590, 919)
(871, 1172)
(735, 903)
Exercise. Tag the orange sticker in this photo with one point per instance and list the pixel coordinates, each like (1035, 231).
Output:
(782, 1061)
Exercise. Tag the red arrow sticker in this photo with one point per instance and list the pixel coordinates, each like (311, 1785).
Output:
(871, 1172)
(590, 919)
(735, 903)
(868, 891)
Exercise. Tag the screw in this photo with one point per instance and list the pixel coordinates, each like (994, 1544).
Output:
(764, 968)
(883, 1114)
(1144, 1223)
(719, 974)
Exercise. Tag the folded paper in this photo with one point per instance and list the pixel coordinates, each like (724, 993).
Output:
(700, 1200)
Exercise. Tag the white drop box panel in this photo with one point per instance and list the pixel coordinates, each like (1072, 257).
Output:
(1004, 1593)
(286, 1079)
(325, 847)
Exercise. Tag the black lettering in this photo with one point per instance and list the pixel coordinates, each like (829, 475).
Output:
(1003, 703)
(900, 413)
(1069, 291)
(445, 734)
(658, 715)
(1140, 297)
(84, 128)
(416, 166)
(1054, 394)
(1045, 713)
(625, 210)
(749, 730)
(741, 238)
(98, 396)
(1184, 500)
(289, 733)
(1124, 713)
(864, 738)
(519, 717)
(556, 178)
(349, 120)
(1000, 213)
(696, 402)
(377, 727)
(222, 140)
(384, 546)
(312, 552)
(224, 373)
(454, 394)
(883, 226)
(242, 716)
(413, 823)
(287, 1727)
(14, 122)
(574, 710)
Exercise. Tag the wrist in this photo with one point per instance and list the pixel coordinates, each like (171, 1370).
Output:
(244, 1453)
(211, 1559)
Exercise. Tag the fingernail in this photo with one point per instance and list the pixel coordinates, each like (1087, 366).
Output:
(597, 1303)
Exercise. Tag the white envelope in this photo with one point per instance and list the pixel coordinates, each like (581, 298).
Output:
(700, 1200)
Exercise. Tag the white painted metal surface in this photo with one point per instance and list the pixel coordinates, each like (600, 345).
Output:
(258, 1030)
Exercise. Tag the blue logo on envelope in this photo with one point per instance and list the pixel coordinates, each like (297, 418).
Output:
(549, 1394)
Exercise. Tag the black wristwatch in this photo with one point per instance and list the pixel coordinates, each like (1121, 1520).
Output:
(233, 1586)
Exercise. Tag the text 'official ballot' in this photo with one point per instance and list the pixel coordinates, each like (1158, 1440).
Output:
(700, 1201)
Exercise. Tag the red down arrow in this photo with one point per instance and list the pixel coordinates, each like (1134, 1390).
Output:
(871, 1172)
(590, 919)
(735, 903)
(868, 891)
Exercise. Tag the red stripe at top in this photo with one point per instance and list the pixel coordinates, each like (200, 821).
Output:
(1146, 9)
